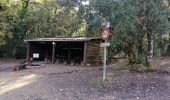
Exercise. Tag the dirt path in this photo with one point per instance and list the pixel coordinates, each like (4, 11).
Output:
(61, 82)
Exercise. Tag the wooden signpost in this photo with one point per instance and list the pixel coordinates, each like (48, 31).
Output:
(107, 44)
(105, 36)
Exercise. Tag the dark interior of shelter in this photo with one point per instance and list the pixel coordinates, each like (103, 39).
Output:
(64, 52)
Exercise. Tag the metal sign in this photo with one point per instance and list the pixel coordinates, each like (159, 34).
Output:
(106, 34)
(105, 44)
(35, 55)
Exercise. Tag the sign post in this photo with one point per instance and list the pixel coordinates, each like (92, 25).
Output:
(105, 36)
(104, 62)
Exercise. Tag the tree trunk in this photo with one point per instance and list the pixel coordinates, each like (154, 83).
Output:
(150, 45)
(131, 54)
(14, 51)
(140, 46)
(169, 38)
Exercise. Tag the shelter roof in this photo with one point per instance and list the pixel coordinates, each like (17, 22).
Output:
(60, 39)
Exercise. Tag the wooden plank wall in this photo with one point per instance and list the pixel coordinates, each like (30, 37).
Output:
(92, 51)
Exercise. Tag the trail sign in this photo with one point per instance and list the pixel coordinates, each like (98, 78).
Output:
(106, 34)
(104, 44)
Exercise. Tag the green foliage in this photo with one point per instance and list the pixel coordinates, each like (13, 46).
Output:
(20, 52)
(51, 19)
(97, 84)
(134, 23)
(26, 19)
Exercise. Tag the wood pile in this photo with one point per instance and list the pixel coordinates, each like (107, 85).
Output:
(20, 66)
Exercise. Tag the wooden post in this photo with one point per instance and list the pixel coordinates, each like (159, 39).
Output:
(53, 52)
(69, 56)
(84, 55)
(28, 52)
(104, 62)
(46, 53)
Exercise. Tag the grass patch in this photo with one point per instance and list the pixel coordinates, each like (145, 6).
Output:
(149, 69)
(140, 67)
(97, 84)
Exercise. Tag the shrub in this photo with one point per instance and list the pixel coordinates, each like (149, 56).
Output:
(20, 52)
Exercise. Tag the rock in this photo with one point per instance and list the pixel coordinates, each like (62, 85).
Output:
(43, 65)
(54, 89)
(88, 64)
(137, 98)
(61, 90)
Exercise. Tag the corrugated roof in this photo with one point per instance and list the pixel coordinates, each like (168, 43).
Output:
(61, 39)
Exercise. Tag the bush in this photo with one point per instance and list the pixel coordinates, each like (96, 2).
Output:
(20, 52)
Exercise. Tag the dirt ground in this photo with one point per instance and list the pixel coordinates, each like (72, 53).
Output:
(63, 82)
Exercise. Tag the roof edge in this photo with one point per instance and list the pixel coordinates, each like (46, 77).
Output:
(61, 39)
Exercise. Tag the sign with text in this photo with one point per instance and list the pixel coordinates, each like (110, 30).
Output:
(35, 55)
(104, 44)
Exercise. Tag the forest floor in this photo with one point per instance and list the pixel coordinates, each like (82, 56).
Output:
(63, 82)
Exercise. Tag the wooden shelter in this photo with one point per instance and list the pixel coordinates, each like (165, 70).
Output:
(64, 50)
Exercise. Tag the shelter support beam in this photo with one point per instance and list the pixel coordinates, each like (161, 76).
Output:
(84, 55)
(69, 56)
(53, 52)
(28, 52)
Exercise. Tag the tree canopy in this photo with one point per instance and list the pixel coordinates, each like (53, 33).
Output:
(139, 27)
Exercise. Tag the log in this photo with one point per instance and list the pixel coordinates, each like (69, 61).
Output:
(19, 67)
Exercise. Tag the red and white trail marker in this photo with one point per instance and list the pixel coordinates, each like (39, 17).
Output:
(106, 34)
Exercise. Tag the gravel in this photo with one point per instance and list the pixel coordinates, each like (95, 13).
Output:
(62, 82)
